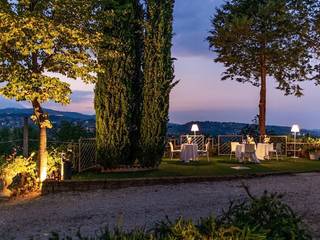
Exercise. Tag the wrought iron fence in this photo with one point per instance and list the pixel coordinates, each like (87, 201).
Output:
(87, 154)
(84, 151)
(11, 147)
(280, 144)
(195, 139)
(224, 143)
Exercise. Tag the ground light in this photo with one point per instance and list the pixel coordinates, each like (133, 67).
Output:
(295, 129)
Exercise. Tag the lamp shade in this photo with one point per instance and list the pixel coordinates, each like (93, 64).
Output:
(295, 128)
(194, 128)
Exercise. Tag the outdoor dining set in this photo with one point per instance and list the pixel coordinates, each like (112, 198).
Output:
(255, 152)
(189, 151)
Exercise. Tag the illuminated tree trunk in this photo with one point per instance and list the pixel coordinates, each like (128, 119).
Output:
(263, 96)
(43, 122)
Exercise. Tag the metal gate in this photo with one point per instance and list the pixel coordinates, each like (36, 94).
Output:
(87, 154)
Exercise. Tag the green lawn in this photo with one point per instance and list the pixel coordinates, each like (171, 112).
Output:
(218, 166)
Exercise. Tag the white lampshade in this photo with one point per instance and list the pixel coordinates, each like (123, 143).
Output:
(295, 128)
(194, 128)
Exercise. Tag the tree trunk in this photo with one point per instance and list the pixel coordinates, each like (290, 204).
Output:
(25, 137)
(263, 96)
(42, 121)
(43, 154)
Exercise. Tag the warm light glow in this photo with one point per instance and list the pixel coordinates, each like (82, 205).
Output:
(194, 128)
(295, 128)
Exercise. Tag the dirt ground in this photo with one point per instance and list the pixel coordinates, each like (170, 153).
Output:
(88, 212)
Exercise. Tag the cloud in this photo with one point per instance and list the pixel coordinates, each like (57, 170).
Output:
(81, 101)
(6, 103)
(191, 27)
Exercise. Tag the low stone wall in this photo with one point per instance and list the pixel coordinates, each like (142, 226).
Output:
(51, 186)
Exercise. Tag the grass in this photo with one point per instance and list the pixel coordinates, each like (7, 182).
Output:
(218, 166)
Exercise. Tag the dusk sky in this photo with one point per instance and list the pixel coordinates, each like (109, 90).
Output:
(201, 95)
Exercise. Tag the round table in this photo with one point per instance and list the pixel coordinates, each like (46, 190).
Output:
(262, 151)
(189, 152)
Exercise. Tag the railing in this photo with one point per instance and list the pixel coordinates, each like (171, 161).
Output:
(224, 143)
(84, 151)
(195, 139)
(87, 154)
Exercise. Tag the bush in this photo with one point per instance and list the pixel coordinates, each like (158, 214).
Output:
(266, 214)
(23, 171)
(263, 218)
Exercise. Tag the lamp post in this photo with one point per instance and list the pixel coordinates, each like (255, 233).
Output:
(295, 129)
(194, 129)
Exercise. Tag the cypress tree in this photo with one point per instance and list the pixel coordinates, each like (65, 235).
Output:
(158, 80)
(117, 95)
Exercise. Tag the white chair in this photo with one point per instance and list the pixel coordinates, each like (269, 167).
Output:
(206, 151)
(233, 148)
(250, 152)
(172, 150)
(271, 150)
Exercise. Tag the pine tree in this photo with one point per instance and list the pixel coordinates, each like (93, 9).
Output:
(117, 93)
(257, 39)
(158, 80)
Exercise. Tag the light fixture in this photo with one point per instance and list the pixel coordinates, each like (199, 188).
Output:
(295, 129)
(195, 129)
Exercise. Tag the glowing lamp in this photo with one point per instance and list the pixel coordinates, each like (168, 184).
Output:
(195, 128)
(295, 129)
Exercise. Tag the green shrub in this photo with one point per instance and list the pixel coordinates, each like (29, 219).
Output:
(23, 171)
(54, 162)
(266, 214)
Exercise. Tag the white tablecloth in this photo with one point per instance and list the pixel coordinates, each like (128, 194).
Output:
(262, 151)
(189, 152)
(241, 154)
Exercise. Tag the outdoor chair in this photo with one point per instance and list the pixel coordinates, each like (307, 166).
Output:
(250, 152)
(206, 151)
(172, 150)
(272, 151)
(233, 148)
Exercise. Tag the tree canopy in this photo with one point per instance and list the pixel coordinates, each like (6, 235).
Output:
(39, 38)
(257, 39)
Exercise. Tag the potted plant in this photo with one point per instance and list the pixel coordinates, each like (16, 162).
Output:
(313, 151)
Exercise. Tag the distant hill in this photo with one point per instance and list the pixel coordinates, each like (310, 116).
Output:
(12, 117)
(229, 128)
(20, 112)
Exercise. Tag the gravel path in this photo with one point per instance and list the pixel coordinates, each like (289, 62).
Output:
(142, 206)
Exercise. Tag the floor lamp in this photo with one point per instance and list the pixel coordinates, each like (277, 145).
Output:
(295, 129)
(195, 129)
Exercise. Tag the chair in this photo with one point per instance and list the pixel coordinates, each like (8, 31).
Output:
(250, 152)
(206, 151)
(172, 151)
(277, 151)
(233, 148)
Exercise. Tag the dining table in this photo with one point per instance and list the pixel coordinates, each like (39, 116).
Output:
(189, 152)
(242, 152)
(262, 151)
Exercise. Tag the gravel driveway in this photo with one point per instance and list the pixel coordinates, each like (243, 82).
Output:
(142, 206)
